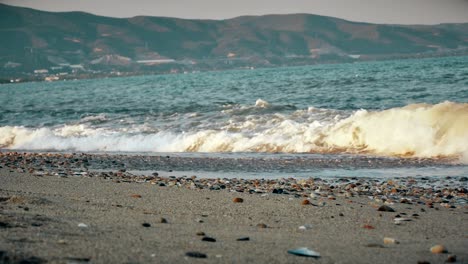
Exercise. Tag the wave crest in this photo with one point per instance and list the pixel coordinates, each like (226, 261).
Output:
(418, 130)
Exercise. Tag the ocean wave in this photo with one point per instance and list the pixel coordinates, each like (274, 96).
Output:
(417, 130)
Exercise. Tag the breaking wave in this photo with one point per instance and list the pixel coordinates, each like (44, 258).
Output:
(417, 130)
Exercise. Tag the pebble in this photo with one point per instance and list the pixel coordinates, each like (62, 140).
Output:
(385, 208)
(305, 227)
(238, 200)
(195, 254)
(438, 249)
(146, 224)
(451, 259)
(208, 239)
(136, 196)
(389, 240)
(82, 225)
(200, 233)
(375, 245)
(163, 220)
(243, 239)
(261, 225)
(305, 202)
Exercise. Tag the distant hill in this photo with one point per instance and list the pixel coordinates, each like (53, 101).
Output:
(77, 41)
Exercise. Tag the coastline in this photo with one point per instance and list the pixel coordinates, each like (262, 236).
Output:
(121, 217)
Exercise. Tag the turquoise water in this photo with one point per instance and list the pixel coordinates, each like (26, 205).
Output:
(395, 109)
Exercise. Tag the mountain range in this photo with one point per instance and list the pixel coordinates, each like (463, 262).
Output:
(48, 42)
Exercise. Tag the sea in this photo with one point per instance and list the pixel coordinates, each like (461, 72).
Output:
(398, 118)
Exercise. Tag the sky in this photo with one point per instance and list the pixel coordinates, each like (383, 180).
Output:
(374, 11)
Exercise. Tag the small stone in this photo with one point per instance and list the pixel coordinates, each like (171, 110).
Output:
(243, 239)
(389, 240)
(423, 262)
(136, 196)
(146, 224)
(385, 208)
(208, 239)
(238, 200)
(375, 245)
(451, 259)
(195, 254)
(438, 249)
(341, 214)
(82, 225)
(261, 225)
(305, 202)
(163, 220)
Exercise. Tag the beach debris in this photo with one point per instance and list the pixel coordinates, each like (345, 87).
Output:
(367, 226)
(438, 249)
(305, 202)
(451, 259)
(262, 225)
(304, 252)
(385, 208)
(238, 200)
(135, 196)
(195, 254)
(146, 224)
(163, 220)
(305, 227)
(389, 240)
(208, 239)
(243, 239)
(200, 233)
(82, 225)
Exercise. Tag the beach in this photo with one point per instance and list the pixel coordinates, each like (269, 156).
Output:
(52, 212)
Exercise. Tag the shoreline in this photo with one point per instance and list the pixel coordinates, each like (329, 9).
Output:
(74, 216)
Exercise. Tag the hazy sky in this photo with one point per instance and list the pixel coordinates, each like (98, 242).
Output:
(377, 11)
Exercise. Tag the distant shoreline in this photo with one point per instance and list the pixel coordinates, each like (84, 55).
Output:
(23, 79)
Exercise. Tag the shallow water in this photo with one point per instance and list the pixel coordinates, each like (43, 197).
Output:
(395, 110)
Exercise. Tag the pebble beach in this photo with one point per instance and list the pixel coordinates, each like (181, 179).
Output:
(93, 208)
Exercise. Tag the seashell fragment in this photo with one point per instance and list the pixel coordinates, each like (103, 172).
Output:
(304, 252)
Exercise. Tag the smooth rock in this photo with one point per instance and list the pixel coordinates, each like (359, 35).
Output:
(208, 239)
(385, 208)
(238, 200)
(389, 240)
(195, 254)
(438, 249)
(451, 259)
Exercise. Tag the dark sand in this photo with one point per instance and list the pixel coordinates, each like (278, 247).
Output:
(40, 217)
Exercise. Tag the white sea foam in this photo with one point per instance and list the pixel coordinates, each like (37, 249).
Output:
(418, 130)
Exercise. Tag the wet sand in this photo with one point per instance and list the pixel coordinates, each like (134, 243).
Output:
(70, 217)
